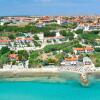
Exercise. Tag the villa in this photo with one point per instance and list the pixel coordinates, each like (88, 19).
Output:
(13, 57)
(83, 50)
(55, 39)
(24, 40)
(4, 42)
(70, 61)
(92, 28)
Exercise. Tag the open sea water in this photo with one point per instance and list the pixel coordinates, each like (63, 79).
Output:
(32, 90)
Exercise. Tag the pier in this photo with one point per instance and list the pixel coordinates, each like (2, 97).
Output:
(81, 70)
(84, 79)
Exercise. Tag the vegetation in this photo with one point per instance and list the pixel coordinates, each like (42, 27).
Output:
(70, 25)
(80, 31)
(29, 28)
(97, 49)
(34, 60)
(65, 47)
(48, 34)
(36, 37)
(95, 58)
(11, 37)
(4, 52)
(69, 35)
(59, 51)
(23, 55)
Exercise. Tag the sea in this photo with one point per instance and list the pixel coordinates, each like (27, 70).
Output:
(11, 89)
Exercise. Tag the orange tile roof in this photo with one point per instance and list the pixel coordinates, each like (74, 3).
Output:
(24, 39)
(79, 49)
(82, 49)
(28, 39)
(5, 40)
(71, 59)
(19, 38)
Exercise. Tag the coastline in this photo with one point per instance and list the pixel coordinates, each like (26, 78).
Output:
(37, 74)
(49, 74)
(41, 71)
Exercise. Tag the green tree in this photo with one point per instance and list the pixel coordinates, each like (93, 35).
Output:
(80, 31)
(11, 36)
(4, 50)
(36, 37)
(34, 60)
(23, 55)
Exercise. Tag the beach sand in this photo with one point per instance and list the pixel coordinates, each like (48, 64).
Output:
(39, 75)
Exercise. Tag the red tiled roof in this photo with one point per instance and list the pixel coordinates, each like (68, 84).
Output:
(13, 56)
(5, 40)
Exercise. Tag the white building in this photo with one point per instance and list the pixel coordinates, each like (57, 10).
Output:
(70, 61)
(87, 61)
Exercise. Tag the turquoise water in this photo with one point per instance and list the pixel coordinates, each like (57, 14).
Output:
(71, 90)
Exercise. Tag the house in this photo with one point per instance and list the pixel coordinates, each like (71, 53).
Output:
(4, 42)
(23, 42)
(13, 57)
(22, 39)
(92, 28)
(78, 50)
(70, 61)
(55, 39)
(89, 50)
(83, 50)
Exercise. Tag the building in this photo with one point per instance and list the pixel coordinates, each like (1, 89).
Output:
(92, 28)
(13, 57)
(87, 61)
(89, 50)
(83, 50)
(24, 40)
(70, 61)
(4, 43)
(55, 39)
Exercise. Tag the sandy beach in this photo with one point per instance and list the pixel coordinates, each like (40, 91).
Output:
(39, 72)
(36, 72)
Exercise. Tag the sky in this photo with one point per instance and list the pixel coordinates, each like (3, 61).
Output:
(49, 7)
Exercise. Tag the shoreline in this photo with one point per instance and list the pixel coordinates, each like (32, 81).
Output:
(38, 72)
(34, 72)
